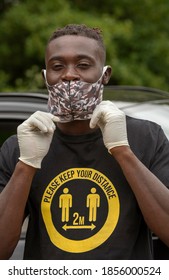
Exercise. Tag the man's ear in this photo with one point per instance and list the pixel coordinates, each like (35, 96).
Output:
(107, 75)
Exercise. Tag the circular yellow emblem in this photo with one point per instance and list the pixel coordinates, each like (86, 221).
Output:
(92, 204)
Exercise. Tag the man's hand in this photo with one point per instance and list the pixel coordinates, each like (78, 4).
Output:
(112, 123)
(34, 137)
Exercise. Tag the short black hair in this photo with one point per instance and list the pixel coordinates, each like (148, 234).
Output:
(79, 30)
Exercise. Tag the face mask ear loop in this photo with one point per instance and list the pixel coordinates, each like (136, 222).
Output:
(44, 73)
(104, 69)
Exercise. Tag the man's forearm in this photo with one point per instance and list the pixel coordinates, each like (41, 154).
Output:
(12, 207)
(152, 196)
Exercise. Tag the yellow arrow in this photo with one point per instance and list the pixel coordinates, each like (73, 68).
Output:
(92, 226)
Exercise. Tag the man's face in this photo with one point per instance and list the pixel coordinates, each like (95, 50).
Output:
(72, 57)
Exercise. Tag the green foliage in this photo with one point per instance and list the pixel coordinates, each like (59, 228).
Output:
(136, 35)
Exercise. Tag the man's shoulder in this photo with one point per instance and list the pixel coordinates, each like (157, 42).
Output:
(142, 125)
(10, 144)
(12, 139)
(138, 121)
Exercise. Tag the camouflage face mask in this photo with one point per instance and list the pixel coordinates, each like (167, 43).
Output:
(74, 100)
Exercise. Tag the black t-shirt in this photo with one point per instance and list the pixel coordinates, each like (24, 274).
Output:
(80, 204)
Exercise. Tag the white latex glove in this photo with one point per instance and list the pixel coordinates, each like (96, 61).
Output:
(34, 137)
(112, 123)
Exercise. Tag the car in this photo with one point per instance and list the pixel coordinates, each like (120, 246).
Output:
(142, 102)
(17, 107)
(136, 101)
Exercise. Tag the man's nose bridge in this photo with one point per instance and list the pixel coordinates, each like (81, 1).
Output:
(70, 73)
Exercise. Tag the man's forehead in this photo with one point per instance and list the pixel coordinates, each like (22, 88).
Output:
(68, 44)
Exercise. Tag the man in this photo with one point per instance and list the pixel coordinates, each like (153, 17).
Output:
(83, 160)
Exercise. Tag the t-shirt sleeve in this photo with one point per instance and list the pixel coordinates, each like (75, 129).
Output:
(9, 154)
(149, 143)
(159, 164)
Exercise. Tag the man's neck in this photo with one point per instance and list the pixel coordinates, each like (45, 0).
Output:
(75, 127)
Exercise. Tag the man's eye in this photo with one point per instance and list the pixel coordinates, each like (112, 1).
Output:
(83, 65)
(58, 67)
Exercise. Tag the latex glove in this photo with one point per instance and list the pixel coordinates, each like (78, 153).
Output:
(34, 137)
(112, 123)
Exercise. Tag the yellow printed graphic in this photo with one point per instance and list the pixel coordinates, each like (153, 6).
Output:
(93, 201)
(66, 227)
(66, 201)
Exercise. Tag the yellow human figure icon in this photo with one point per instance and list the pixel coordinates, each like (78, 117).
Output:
(93, 202)
(65, 202)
